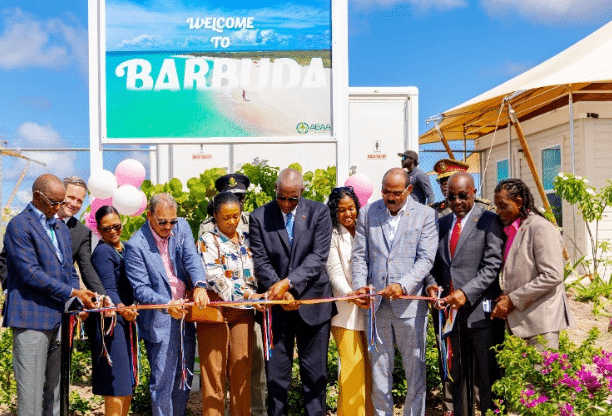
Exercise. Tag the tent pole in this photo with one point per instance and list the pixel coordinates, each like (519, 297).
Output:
(529, 158)
(571, 127)
(444, 141)
(532, 167)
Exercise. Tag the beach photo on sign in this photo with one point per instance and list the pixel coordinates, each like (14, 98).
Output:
(209, 69)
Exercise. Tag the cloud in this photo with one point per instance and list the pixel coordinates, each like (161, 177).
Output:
(38, 103)
(32, 135)
(28, 41)
(552, 11)
(419, 4)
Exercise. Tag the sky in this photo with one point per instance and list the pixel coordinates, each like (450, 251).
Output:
(270, 25)
(451, 50)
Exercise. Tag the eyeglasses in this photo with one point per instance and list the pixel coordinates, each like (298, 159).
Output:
(396, 194)
(291, 199)
(116, 227)
(462, 196)
(164, 222)
(51, 203)
(406, 157)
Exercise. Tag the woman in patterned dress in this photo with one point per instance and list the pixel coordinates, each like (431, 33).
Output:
(225, 347)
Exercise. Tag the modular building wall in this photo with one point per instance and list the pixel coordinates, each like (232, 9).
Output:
(383, 122)
(592, 153)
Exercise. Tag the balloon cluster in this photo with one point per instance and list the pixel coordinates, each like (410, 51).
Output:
(362, 186)
(119, 190)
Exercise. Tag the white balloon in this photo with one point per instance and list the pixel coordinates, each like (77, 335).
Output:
(102, 184)
(127, 199)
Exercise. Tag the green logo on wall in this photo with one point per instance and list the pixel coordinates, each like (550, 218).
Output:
(302, 128)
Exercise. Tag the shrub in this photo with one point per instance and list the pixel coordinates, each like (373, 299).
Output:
(571, 381)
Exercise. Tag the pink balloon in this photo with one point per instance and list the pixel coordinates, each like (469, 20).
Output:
(362, 185)
(130, 172)
(97, 203)
(143, 205)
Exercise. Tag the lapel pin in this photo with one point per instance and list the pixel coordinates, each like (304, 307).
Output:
(303, 217)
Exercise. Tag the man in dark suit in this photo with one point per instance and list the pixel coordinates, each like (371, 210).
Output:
(290, 240)
(467, 266)
(80, 235)
(41, 278)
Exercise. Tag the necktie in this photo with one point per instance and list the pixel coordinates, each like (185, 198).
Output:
(51, 231)
(289, 227)
(455, 236)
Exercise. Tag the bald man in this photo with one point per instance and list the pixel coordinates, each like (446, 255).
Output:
(290, 240)
(40, 279)
(394, 249)
(467, 266)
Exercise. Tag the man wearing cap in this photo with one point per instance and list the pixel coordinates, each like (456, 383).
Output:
(445, 168)
(238, 184)
(421, 187)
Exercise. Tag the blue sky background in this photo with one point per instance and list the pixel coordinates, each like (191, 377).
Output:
(277, 25)
(452, 50)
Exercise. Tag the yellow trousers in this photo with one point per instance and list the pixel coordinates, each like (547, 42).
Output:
(354, 373)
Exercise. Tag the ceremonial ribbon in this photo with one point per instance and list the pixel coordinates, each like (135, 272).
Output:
(267, 314)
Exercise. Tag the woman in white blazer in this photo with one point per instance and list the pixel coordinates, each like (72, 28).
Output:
(348, 326)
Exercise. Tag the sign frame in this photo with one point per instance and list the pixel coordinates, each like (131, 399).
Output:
(338, 107)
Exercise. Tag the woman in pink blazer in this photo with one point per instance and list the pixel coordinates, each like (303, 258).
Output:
(533, 299)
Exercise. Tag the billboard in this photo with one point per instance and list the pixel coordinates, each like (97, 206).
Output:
(200, 70)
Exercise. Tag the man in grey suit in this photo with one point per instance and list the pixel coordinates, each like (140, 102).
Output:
(467, 266)
(394, 250)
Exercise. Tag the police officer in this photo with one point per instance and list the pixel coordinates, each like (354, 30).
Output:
(445, 168)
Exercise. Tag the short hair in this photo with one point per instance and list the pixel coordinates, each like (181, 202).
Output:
(159, 199)
(396, 171)
(76, 181)
(334, 198)
(103, 211)
(516, 188)
(219, 200)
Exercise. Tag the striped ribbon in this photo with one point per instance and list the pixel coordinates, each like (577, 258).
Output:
(267, 314)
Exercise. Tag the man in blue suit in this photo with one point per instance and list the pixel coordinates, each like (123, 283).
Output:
(394, 250)
(161, 263)
(290, 239)
(40, 279)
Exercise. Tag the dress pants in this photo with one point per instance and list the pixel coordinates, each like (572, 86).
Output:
(37, 365)
(225, 350)
(258, 374)
(312, 346)
(354, 373)
(486, 369)
(409, 335)
(165, 359)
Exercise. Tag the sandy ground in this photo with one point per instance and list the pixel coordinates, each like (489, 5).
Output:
(584, 321)
(275, 112)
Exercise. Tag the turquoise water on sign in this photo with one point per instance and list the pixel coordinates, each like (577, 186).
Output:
(155, 114)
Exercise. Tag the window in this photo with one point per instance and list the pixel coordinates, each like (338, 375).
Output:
(502, 170)
(551, 166)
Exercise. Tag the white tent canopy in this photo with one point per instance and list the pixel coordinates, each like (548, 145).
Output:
(584, 69)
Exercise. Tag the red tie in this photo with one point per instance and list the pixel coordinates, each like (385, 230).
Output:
(455, 236)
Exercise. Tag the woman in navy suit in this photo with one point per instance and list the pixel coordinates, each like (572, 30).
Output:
(117, 346)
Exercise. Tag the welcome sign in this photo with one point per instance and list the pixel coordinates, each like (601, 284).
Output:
(213, 69)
